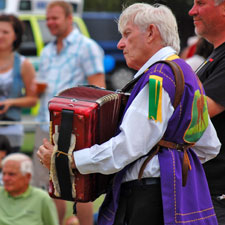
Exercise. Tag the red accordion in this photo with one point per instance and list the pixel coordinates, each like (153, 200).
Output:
(79, 118)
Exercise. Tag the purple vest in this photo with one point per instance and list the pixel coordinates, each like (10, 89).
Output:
(190, 204)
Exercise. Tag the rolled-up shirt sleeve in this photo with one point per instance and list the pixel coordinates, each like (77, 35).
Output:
(208, 146)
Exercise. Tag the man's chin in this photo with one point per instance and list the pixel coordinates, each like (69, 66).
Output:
(53, 32)
(129, 64)
(196, 31)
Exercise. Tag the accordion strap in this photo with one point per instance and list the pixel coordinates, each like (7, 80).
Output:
(62, 161)
(128, 87)
(179, 81)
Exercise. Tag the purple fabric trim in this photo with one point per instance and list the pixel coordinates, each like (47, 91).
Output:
(178, 201)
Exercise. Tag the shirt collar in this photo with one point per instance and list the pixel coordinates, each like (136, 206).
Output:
(162, 54)
(218, 50)
(23, 195)
(69, 38)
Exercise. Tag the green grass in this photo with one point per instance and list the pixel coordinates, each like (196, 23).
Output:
(28, 143)
(97, 203)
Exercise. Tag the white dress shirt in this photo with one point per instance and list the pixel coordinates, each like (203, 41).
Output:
(138, 136)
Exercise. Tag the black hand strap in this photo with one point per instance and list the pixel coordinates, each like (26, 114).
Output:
(61, 160)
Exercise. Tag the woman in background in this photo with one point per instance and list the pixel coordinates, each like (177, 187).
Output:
(202, 51)
(17, 80)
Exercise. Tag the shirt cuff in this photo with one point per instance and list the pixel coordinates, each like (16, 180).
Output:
(83, 162)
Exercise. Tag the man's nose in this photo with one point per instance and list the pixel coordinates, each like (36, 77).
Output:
(192, 11)
(120, 44)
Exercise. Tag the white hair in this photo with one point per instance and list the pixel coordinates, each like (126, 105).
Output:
(26, 165)
(143, 14)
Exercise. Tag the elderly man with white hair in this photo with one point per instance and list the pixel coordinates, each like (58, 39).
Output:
(162, 139)
(20, 203)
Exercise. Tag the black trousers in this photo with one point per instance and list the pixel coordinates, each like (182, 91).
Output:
(219, 207)
(140, 204)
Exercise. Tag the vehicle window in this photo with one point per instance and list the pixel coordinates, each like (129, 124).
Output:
(2, 4)
(28, 46)
(74, 5)
(25, 5)
(28, 34)
(102, 29)
(46, 35)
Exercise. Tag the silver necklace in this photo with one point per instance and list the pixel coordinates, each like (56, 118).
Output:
(2, 68)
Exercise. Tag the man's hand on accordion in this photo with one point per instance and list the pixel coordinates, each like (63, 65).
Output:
(45, 152)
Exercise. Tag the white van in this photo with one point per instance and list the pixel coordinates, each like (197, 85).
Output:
(19, 7)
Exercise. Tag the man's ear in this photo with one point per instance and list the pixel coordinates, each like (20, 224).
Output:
(70, 18)
(151, 32)
(28, 175)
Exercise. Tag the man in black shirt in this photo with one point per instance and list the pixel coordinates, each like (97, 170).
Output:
(209, 21)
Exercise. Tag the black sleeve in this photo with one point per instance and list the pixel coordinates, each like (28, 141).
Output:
(213, 79)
